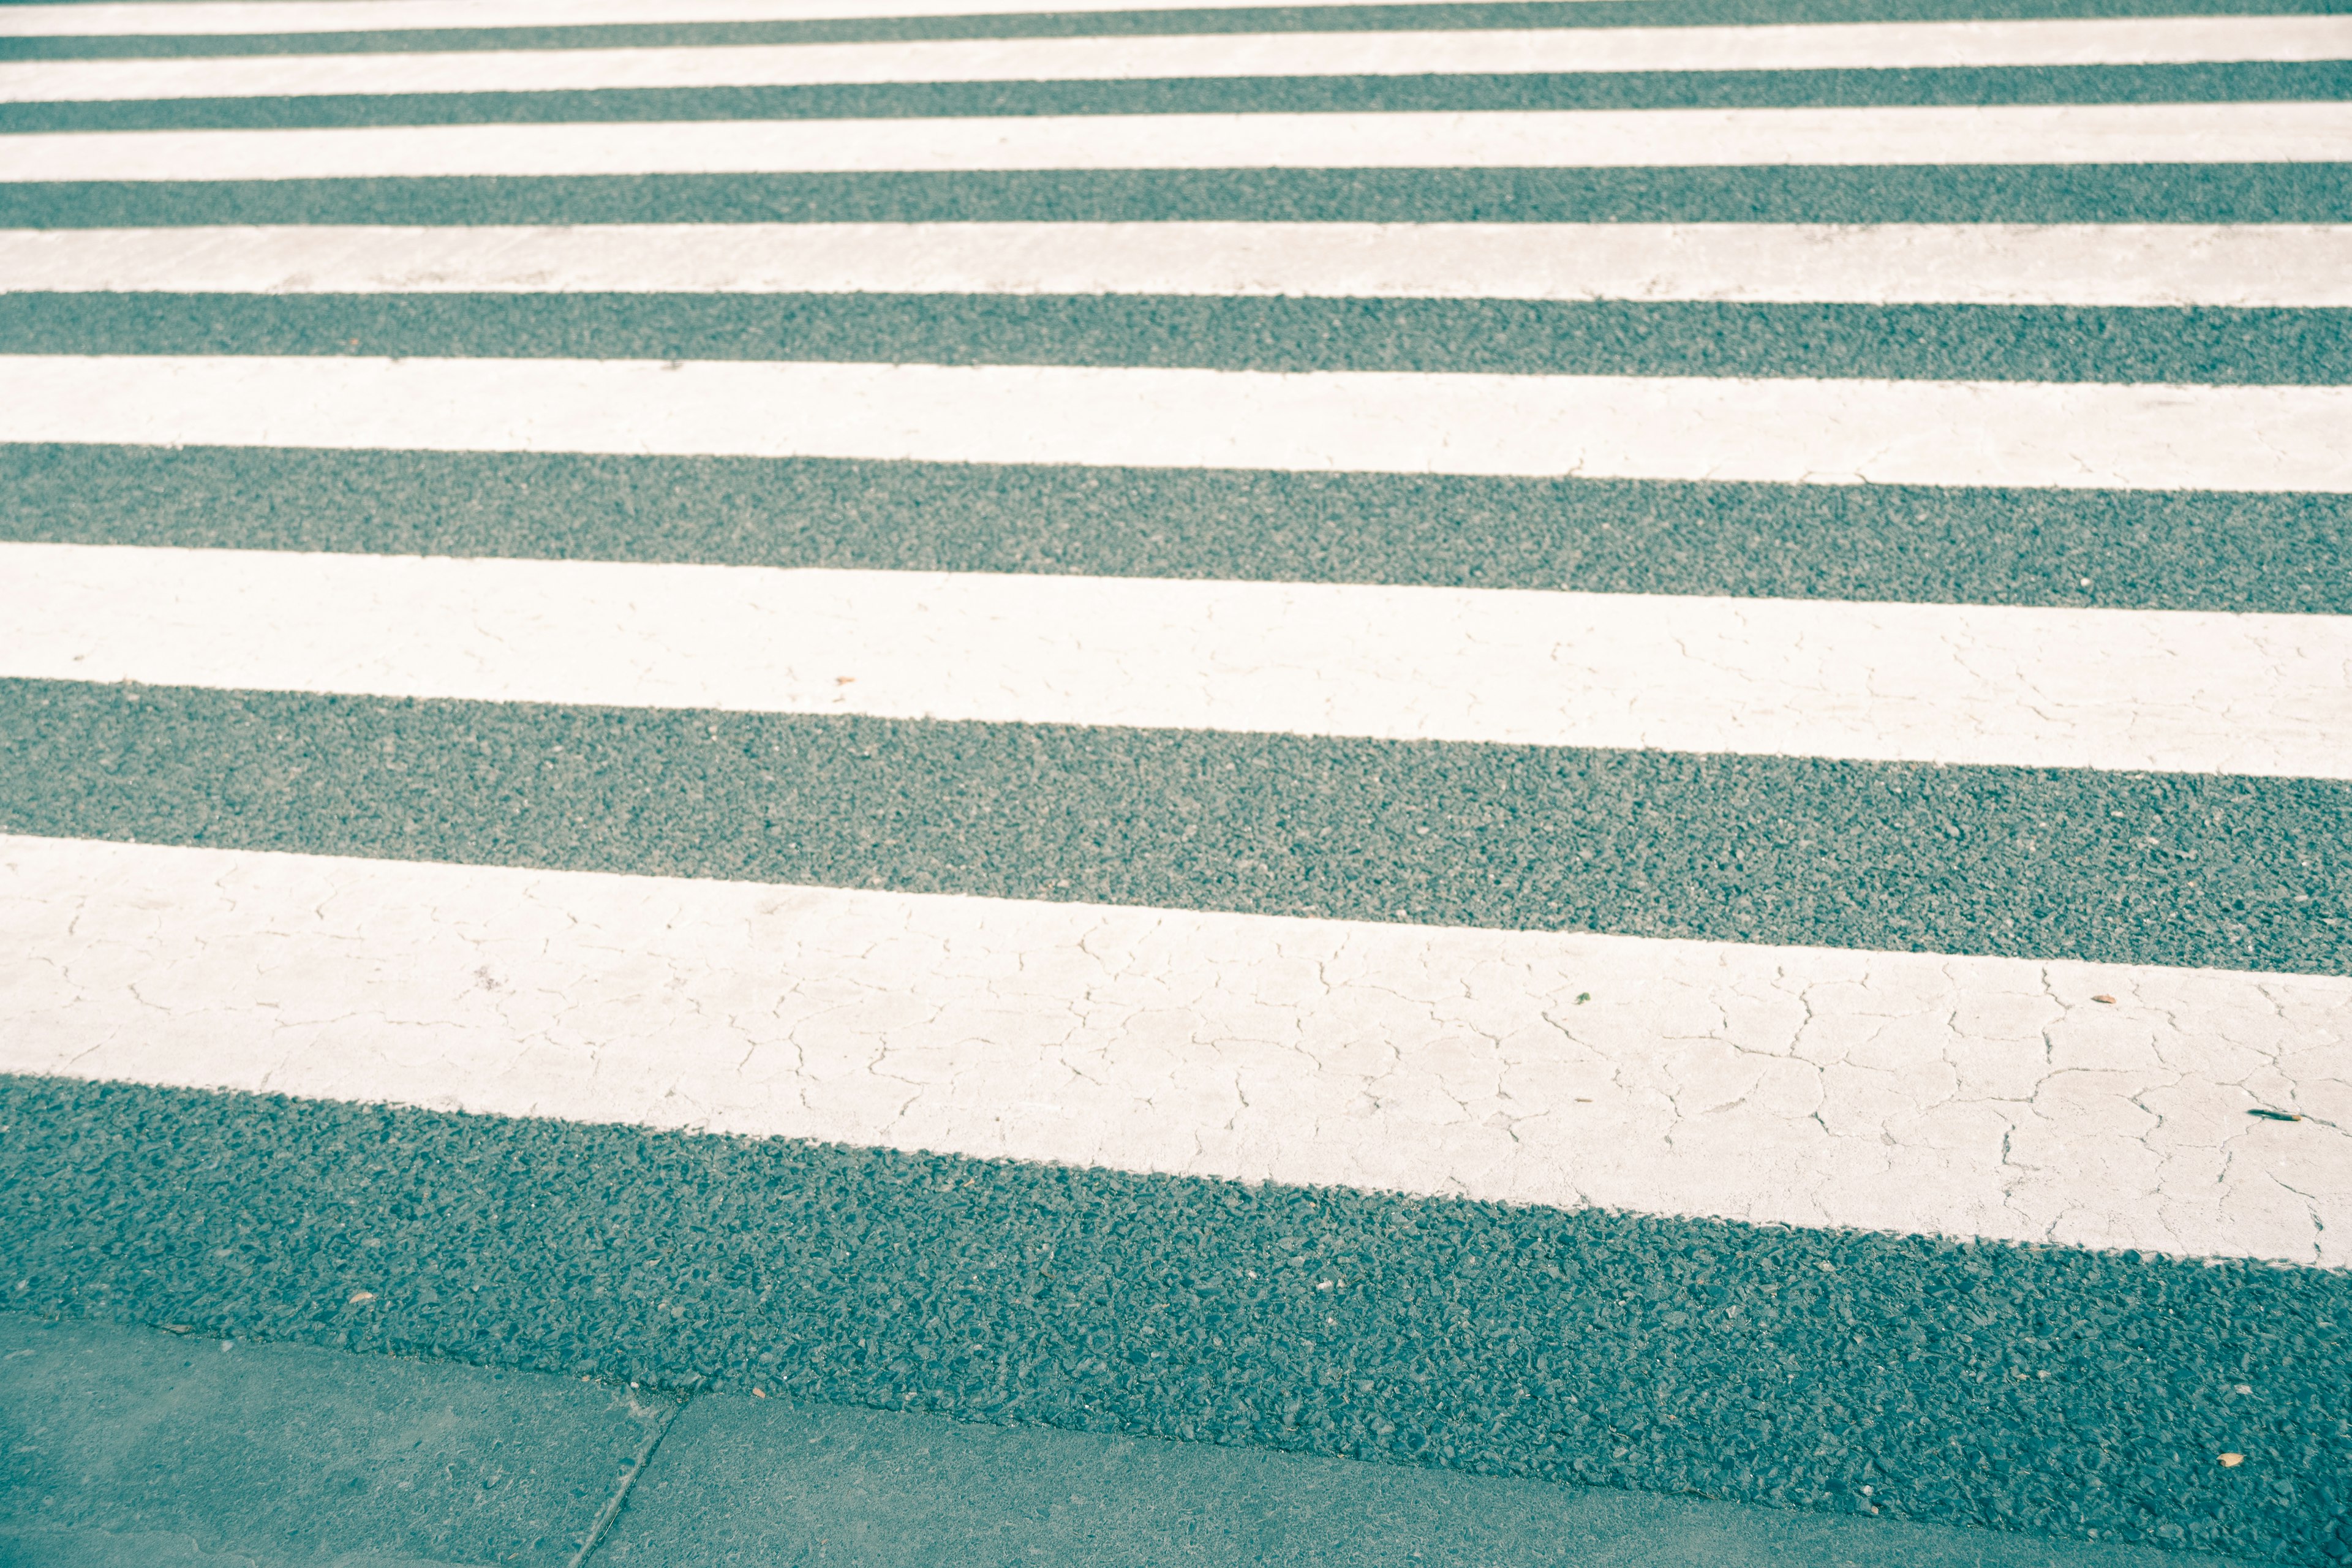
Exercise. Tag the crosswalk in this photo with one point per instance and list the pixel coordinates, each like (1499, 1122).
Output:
(2280, 266)
(1604, 740)
(2226, 133)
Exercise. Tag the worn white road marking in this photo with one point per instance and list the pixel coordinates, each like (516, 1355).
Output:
(1899, 1091)
(2006, 133)
(2150, 437)
(262, 18)
(2275, 265)
(2173, 691)
(2148, 40)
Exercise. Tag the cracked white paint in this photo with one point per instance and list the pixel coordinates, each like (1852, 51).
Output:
(2253, 133)
(1893, 45)
(2167, 691)
(1907, 1092)
(186, 18)
(2277, 265)
(2028, 434)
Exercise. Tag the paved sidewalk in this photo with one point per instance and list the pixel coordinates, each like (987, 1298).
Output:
(133, 1445)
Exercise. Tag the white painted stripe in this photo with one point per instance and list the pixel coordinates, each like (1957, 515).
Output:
(1974, 134)
(2170, 690)
(2275, 265)
(263, 18)
(2066, 436)
(1895, 1091)
(1860, 46)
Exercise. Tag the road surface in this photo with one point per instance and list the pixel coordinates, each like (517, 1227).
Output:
(1361, 783)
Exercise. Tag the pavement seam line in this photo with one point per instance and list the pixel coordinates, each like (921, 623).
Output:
(612, 1509)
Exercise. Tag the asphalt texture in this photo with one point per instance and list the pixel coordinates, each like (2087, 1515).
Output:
(1511, 337)
(1237, 19)
(2171, 868)
(2143, 550)
(2085, 193)
(2200, 83)
(959, 1360)
(1932, 1381)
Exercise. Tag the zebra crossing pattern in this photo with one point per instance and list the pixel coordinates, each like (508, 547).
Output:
(1605, 739)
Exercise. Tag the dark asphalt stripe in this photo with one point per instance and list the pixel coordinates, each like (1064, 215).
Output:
(2124, 550)
(2130, 192)
(1981, 1384)
(1944, 342)
(1128, 24)
(1663, 89)
(2179, 869)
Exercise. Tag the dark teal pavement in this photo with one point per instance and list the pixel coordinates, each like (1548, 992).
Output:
(133, 1445)
(240, 1330)
(2123, 868)
(2044, 1390)
(1493, 337)
(2082, 193)
(2134, 549)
